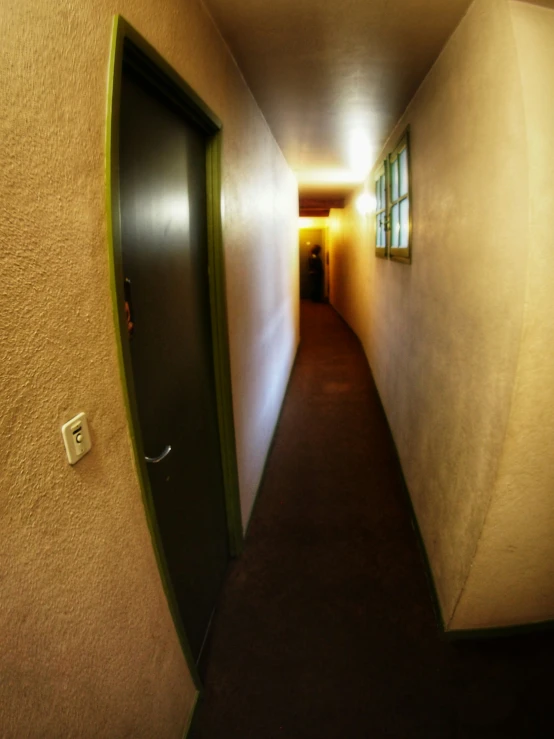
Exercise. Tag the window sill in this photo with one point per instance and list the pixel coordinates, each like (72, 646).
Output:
(403, 259)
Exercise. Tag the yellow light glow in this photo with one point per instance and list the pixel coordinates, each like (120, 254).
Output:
(313, 222)
(360, 153)
(365, 204)
(338, 176)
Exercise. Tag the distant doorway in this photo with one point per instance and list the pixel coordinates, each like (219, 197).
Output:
(307, 239)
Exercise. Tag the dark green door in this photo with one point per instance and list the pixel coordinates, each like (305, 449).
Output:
(164, 243)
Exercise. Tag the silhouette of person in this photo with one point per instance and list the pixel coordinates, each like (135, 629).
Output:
(315, 269)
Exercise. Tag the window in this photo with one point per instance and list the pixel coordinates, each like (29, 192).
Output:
(393, 225)
(381, 212)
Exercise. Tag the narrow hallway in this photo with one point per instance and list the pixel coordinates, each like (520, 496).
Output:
(325, 628)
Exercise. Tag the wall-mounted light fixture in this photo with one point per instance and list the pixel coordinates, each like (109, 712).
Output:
(365, 204)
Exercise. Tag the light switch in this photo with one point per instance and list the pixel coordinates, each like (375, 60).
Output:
(76, 438)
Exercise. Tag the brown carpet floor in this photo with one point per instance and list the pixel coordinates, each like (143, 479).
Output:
(325, 628)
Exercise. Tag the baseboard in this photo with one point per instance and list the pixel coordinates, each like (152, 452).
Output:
(415, 525)
(433, 593)
(271, 443)
(192, 716)
(496, 632)
(491, 632)
(189, 728)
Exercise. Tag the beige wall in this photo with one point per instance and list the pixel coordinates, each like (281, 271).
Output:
(456, 364)
(88, 645)
(512, 577)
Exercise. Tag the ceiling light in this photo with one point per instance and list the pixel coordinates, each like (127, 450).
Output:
(360, 153)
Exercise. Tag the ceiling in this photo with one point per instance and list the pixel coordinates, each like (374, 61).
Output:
(332, 78)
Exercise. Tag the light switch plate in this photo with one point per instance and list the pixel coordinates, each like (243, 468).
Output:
(76, 438)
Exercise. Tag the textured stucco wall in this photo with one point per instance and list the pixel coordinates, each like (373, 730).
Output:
(512, 578)
(88, 645)
(442, 335)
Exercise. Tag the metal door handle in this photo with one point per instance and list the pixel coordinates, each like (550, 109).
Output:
(163, 455)
(130, 313)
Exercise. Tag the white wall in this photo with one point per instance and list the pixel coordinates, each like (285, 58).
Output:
(447, 336)
(512, 577)
(88, 645)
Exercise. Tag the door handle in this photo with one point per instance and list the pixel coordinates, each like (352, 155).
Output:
(129, 312)
(163, 455)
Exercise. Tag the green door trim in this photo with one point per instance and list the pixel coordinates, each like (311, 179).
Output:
(220, 337)
(156, 71)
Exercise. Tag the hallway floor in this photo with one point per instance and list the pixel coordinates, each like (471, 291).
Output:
(325, 628)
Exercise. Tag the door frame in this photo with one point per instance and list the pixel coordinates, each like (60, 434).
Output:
(157, 73)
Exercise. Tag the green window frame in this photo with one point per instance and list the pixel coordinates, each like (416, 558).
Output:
(394, 211)
(381, 197)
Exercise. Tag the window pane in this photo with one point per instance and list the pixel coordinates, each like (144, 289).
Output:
(382, 191)
(403, 166)
(378, 195)
(394, 179)
(395, 225)
(404, 222)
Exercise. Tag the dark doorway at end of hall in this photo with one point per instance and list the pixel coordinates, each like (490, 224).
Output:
(308, 238)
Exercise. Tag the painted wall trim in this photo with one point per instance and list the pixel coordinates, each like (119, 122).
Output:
(122, 33)
(221, 350)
